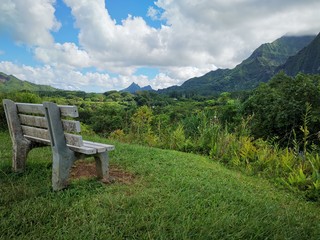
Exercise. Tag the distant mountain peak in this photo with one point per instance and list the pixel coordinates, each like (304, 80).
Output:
(133, 88)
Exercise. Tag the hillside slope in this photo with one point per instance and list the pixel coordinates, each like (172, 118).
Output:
(9, 83)
(259, 67)
(173, 195)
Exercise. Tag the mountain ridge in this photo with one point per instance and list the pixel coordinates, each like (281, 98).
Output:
(10, 83)
(259, 67)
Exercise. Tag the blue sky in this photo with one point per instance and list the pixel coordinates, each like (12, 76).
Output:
(97, 45)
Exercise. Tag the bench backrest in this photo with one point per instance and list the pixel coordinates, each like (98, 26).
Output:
(43, 123)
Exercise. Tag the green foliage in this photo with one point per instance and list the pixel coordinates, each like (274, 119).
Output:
(118, 135)
(141, 131)
(178, 138)
(107, 118)
(278, 107)
(17, 97)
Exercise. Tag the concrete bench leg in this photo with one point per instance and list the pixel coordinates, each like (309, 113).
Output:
(21, 146)
(102, 165)
(20, 153)
(61, 167)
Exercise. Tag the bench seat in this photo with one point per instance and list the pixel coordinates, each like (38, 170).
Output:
(89, 148)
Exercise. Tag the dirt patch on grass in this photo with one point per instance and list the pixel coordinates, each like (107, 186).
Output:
(83, 169)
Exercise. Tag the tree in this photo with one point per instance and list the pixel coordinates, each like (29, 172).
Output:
(278, 107)
(141, 125)
(107, 118)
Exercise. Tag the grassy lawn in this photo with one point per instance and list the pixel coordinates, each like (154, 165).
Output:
(173, 195)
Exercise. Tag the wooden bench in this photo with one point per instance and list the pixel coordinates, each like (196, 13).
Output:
(36, 125)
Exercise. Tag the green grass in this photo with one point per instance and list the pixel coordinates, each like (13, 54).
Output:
(174, 196)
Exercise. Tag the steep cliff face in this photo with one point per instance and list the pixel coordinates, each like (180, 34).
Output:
(307, 60)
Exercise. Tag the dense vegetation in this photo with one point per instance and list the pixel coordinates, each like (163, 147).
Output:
(271, 132)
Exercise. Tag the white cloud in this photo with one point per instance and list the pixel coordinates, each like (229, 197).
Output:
(114, 46)
(229, 31)
(29, 21)
(67, 54)
(199, 36)
(153, 13)
(71, 79)
(61, 78)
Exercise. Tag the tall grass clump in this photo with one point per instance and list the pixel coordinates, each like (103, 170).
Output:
(296, 168)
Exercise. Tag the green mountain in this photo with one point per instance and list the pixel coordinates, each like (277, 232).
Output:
(133, 88)
(9, 83)
(307, 60)
(259, 67)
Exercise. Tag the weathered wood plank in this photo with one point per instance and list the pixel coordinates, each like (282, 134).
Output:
(72, 139)
(99, 146)
(31, 108)
(69, 111)
(71, 126)
(35, 121)
(99, 149)
(36, 132)
(38, 140)
(83, 149)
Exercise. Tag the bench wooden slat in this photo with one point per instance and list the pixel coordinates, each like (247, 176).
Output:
(38, 140)
(36, 121)
(71, 126)
(83, 149)
(31, 108)
(36, 132)
(72, 139)
(99, 146)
